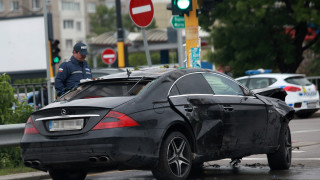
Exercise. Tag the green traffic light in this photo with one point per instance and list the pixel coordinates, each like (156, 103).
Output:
(183, 4)
(56, 60)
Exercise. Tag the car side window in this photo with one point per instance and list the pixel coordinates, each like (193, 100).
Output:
(222, 85)
(272, 80)
(257, 83)
(174, 91)
(243, 81)
(192, 84)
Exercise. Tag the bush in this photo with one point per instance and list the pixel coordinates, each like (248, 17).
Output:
(12, 112)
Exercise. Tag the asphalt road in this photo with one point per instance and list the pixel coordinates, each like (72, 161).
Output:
(305, 163)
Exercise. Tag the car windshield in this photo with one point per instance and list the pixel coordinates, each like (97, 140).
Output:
(106, 89)
(298, 80)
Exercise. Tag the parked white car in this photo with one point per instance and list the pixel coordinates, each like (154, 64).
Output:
(303, 96)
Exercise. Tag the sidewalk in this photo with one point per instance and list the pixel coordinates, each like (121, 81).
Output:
(27, 176)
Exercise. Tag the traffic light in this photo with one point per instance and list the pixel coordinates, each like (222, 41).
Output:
(55, 51)
(181, 7)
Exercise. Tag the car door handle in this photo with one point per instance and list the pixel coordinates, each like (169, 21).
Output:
(228, 108)
(188, 108)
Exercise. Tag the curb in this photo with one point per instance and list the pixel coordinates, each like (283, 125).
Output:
(27, 176)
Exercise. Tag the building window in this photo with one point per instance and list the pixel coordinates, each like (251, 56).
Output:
(91, 7)
(69, 43)
(70, 6)
(68, 24)
(79, 26)
(14, 6)
(35, 4)
(110, 5)
(1, 6)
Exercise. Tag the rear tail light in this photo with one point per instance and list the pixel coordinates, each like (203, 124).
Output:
(291, 89)
(297, 105)
(30, 128)
(115, 120)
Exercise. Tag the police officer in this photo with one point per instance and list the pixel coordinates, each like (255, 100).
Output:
(70, 73)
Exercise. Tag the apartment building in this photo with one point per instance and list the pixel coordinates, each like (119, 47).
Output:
(71, 17)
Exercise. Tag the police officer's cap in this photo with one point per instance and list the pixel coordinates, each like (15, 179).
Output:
(80, 47)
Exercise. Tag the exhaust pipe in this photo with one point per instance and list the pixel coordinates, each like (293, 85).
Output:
(103, 158)
(35, 163)
(27, 163)
(93, 159)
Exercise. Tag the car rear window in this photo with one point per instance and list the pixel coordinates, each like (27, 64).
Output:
(298, 80)
(106, 89)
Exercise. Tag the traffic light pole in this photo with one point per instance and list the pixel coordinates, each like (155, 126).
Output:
(47, 51)
(192, 31)
(120, 44)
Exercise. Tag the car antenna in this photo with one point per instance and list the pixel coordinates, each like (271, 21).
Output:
(128, 73)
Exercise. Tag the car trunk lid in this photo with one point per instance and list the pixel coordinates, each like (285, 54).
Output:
(74, 117)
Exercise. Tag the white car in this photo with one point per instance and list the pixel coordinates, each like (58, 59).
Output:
(303, 96)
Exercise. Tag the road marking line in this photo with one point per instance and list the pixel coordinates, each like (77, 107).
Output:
(305, 131)
(109, 172)
(265, 159)
(141, 9)
(298, 151)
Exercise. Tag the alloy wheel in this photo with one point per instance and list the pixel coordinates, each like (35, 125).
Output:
(179, 157)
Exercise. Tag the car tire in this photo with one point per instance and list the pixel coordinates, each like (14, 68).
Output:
(70, 174)
(281, 159)
(175, 158)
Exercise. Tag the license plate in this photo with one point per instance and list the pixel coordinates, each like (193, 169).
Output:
(65, 125)
(312, 104)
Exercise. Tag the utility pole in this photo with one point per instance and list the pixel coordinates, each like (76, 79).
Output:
(120, 44)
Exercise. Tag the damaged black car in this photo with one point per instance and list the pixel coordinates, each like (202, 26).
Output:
(168, 121)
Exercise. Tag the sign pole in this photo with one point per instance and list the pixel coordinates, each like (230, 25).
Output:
(180, 47)
(146, 48)
(141, 13)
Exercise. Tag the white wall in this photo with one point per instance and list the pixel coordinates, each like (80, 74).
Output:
(22, 44)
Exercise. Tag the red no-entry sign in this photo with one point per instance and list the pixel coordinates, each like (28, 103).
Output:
(141, 12)
(108, 56)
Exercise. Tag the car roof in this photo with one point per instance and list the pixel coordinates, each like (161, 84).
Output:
(274, 75)
(153, 73)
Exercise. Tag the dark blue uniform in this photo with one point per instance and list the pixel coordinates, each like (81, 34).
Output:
(69, 75)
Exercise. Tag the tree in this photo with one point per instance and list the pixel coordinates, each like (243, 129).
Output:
(104, 20)
(251, 34)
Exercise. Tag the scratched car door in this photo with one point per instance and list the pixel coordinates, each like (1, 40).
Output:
(192, 96)
(244, 115)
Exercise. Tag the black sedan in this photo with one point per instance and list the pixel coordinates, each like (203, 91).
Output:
(167, 120)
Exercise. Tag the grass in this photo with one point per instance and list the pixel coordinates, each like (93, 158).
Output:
(16, 170)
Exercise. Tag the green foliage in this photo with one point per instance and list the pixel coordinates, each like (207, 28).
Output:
(140, 59)
(251, 34)
(104, 20)
(11, 110)
(7, 99)
(10, 157)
